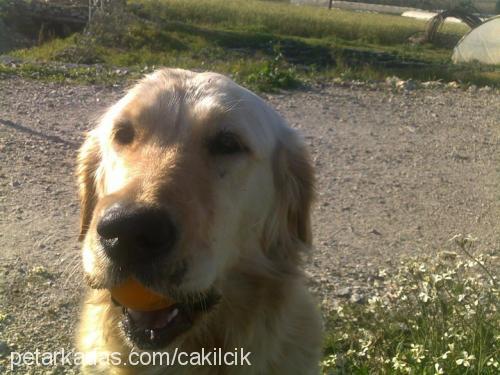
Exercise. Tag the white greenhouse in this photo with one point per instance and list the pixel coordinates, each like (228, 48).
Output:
(480, 44)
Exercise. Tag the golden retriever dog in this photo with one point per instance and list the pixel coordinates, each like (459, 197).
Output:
(195, 187)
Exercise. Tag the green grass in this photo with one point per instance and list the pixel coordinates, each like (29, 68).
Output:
(283, 19)
(62, 74)
(436, 315)
(262, 44)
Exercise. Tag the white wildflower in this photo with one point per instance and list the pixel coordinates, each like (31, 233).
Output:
(340, 311)
(330, 361)
(445, 354)
(398, 364)
(466, 360)
(448, 275)
(437, 278)
(424, 297)
(492, 363)
(417, 351)
(438, 369)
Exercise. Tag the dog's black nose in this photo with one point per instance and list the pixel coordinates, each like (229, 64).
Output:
(132, 233)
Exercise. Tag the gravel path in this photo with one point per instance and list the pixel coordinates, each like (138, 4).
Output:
(398, 175)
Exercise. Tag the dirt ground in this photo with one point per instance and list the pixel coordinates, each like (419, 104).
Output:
(398, 174)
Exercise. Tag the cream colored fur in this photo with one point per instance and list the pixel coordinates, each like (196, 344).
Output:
(246, 222)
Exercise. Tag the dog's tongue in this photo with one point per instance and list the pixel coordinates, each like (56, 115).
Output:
(153, 319)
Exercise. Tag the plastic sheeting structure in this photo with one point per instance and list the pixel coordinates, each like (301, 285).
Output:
(481, 44)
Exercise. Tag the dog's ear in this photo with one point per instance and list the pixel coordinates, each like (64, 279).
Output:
(289, 228)
(88, 160)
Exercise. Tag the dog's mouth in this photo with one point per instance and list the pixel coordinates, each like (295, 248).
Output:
(150, 330)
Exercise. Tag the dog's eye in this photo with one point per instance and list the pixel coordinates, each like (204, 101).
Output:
(124, 134)
(226, 143)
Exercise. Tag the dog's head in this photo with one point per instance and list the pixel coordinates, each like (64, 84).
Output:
(185, 179)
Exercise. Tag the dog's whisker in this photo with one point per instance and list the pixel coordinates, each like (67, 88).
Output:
(70, 263)
(74, 269)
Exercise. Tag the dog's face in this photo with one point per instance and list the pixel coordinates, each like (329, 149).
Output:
(186, 179)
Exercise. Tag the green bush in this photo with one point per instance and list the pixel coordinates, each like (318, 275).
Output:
(274, 74)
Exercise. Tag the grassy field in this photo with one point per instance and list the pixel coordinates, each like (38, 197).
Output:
(262, 44)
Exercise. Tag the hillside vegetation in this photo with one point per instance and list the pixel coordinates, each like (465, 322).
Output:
(260, 43)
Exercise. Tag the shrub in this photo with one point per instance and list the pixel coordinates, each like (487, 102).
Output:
(437, 315)
(274, 74)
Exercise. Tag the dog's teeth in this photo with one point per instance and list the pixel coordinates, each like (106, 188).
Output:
(173, 314)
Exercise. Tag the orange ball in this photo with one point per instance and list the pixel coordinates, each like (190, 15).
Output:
(134, 295)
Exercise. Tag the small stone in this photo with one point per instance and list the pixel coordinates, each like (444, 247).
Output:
(410, 85)
(343, 292)
(486, 89)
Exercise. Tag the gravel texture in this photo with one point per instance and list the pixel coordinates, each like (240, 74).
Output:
(399, 172)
